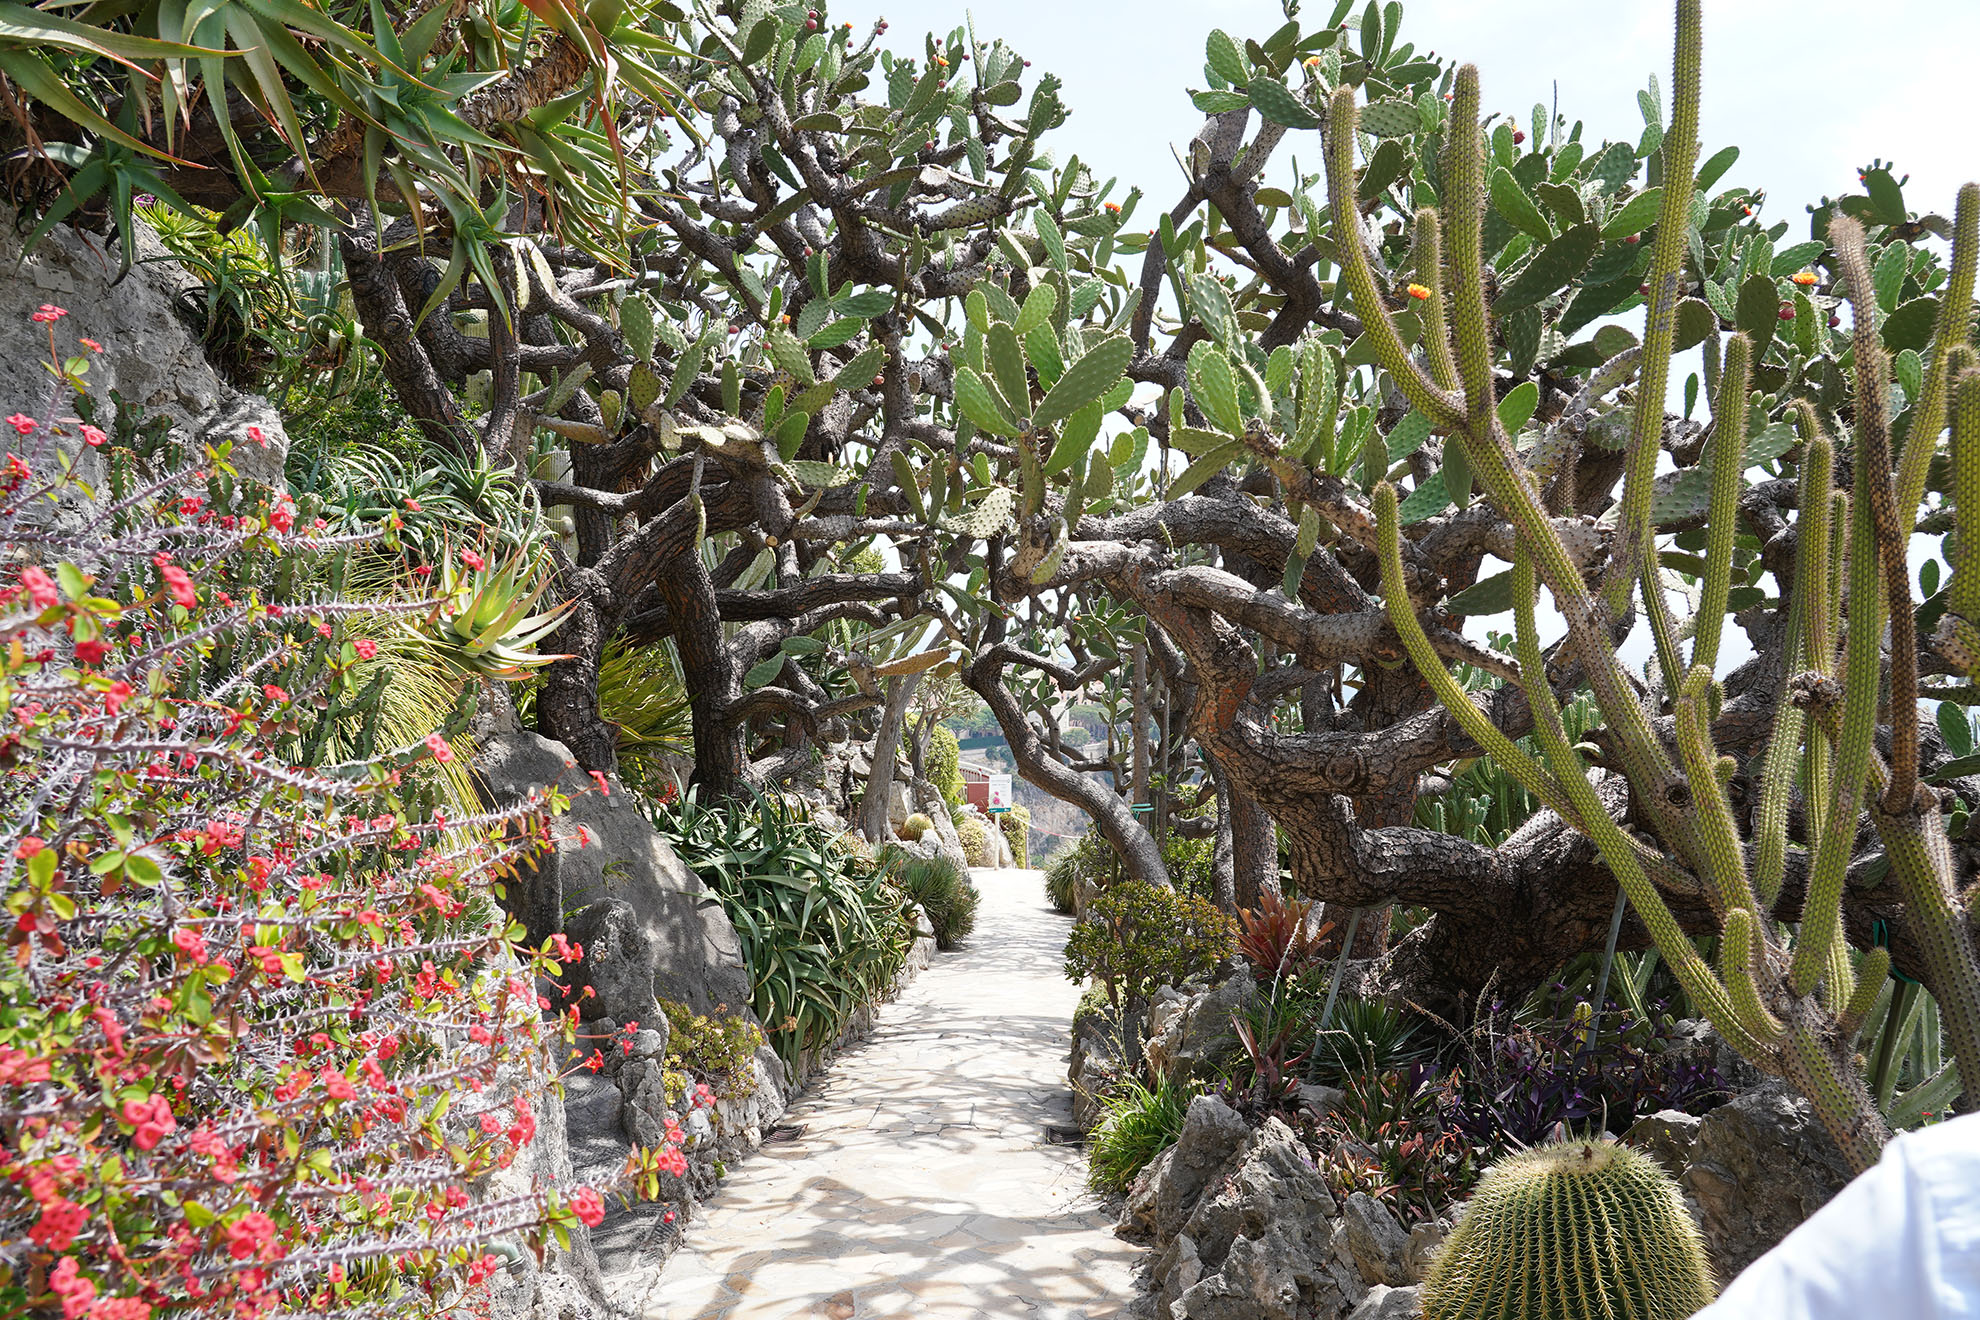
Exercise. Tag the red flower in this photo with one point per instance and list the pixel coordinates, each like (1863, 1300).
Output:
(589, 1206)
(49, 313)
(438, 746)
(22, 423)
(40, 587)
(249, 1235)
(366, 648)
(91, 650)
(274, 694)
(180, 584)
(92, 436)
(29, 846)
(116, 695)
(90, 344)
(473, 560)
(255, 434)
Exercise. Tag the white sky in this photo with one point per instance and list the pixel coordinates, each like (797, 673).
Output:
(1810, 90)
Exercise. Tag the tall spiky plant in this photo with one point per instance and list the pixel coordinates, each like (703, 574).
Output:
(1792, 1002)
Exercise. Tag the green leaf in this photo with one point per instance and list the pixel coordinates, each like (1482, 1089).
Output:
(763, 671)
(1510, 200)
(1205, 468)
(1955, 728)
(1390, 119)
(1225, 59)
(1211, 304)
(1279, 105)
(1038, 307)
(977, 403)
(1428, 499)
(1714, 169)
(1492, 595)
(1758, 311)
(1086, 380)
(1214, 386)
(1007, 367)
(1550, 269)
(789, 354)
(1910, 326)
(1518, 405)
(1636, 215)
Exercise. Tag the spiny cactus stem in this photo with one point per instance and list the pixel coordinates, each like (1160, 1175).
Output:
(1430, 274)
(1812, 556)
(1636, 548)
(1963, 593)
(1445, 412)
(1834, 1088)
(1510, 757)
(1728, 460)
(1464, 182)
(1821, 919)
(1948, 333)
(1726, 883)
(1736, 961)
(1873, 483)
(1922, 864)
(1618, 849)
(1871, 974)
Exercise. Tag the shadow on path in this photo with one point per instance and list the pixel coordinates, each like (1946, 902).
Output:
(923, 1184)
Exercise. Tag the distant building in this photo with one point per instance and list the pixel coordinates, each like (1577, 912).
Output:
(976, 784)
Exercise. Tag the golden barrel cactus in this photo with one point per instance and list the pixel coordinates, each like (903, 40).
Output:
(1577, 1230)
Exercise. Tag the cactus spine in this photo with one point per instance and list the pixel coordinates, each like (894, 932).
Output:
(1791, 1002)
(1581, 1229)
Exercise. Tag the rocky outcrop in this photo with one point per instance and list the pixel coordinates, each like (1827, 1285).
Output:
(147, 358)
(1759, 1167)
(1244, 1228)
(1191, 1035)
(667, 936)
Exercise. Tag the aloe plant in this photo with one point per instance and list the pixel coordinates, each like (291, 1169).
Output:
(1791, 1000)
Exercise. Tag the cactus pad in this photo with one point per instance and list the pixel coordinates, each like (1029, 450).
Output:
(1579, 1229)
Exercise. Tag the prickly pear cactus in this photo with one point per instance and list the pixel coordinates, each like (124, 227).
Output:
(1575, 1230)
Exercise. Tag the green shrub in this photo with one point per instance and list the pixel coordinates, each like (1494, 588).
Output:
(1191, 863)
(941, 888)
(915, 826)
(945, 764)
(716, 1050)
(1062, 884)
(975, 840)
(1136, 937)
(1138, 1124)
(821, 927)
(1016, 825)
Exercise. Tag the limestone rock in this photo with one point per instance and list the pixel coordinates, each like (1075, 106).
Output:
(1759, 1167)
(1200, 1036)
(1374, 1241)
(617, 966)
(1667, 1137)
(1383, 1303)
(606, 850)
(1425, 1240)
(148, 357)
(1212, 1132)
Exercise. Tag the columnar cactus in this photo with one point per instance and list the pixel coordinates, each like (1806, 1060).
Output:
(1792, 1003)
(1577, 1229)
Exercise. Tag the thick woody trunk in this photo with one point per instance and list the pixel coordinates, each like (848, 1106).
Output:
(873, 823)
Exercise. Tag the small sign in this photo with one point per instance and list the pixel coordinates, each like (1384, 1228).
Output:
(1000, 792)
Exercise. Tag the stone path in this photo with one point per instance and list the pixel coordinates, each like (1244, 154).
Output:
(923, 1184)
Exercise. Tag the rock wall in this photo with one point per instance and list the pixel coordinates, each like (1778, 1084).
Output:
(1243, 1227)
(148, 357)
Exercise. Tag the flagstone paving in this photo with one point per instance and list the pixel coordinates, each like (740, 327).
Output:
(924, 1183)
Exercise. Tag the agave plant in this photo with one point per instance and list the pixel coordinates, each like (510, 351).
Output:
(482, 623)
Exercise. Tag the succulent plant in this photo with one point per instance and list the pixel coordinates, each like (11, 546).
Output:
(1575, 1229)
(483, 622)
